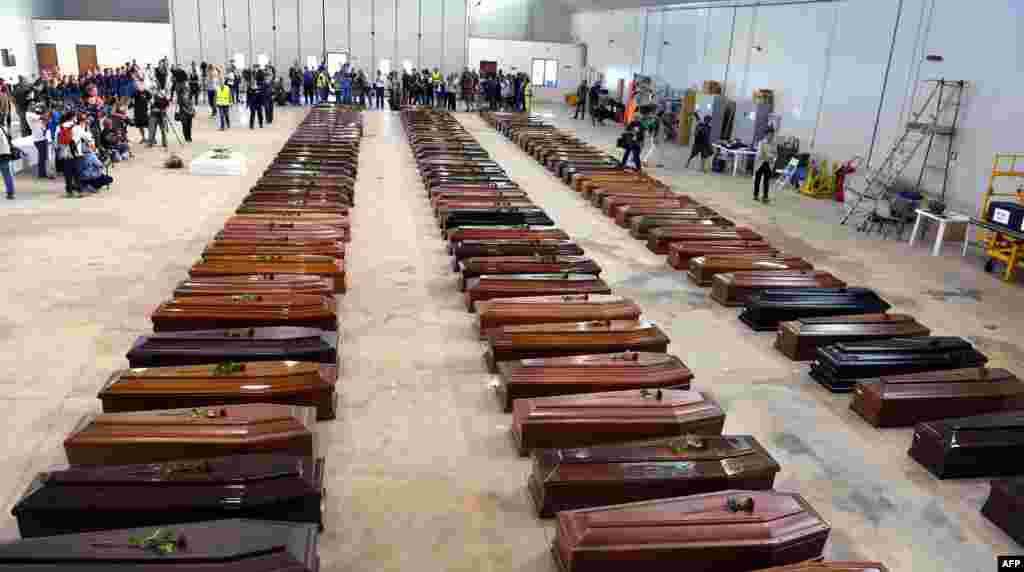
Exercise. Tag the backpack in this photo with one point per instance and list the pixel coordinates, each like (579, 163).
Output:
(64, 136)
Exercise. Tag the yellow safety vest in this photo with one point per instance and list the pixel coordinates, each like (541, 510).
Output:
(527, 90)
(436, 78)
(223, 95)
(321, 80)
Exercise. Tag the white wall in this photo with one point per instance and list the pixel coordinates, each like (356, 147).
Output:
(826, 63)
(427, 33)
(16, 35)
(516, 56)
(116, 42)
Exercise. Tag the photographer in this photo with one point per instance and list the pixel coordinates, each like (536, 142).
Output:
(140, 102)
(186, 111)
(158, 118)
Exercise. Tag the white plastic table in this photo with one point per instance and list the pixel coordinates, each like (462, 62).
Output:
(737, 154)
(951, 218)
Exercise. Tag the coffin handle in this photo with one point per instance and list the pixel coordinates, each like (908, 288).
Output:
(737, 504)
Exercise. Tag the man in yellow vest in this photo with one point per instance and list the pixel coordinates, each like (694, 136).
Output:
(435, 84)
(322, 85)
(223, 101)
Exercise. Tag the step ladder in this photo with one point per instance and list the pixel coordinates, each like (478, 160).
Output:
(869, 193)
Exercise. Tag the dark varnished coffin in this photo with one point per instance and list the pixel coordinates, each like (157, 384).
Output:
(289, 209)
(970, 447)
(767, 308)
(457, 235)
(813, 566)
(325, 266)
(839, 366)
(642, 226)
(698, 533)
(211, 546)
(258, 284)
(902, 400)
(601, 475)
(476, 248)
(495, 216)
(736, 288)
(507, 343)
(546, 377)
(612, 417)
(641, 219)
(245, 311)
(1005, 507)
(704, 268)
(294, 221)
(195, 347)
(310, 384)
(680, 253)
(83, 498)
(800, 339)
(551, 309)
(488, 287)
(175, 434)
(495, 265)
(658, 239)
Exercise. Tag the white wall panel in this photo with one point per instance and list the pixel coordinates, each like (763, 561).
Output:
(680, 60)
(407, 31)
(718, 46)
(361, 50)
(287, 20)
(212, 32)
(311, 31)
(431, 47)
(239, 29)
(383, 34)
(263, 36)
(185, 19)
(517, 54)
(338, 32)
(455, 35)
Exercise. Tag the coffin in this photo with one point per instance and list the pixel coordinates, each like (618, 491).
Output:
(296, 221)
(494, 265)
(659, 238)
(84, 498)
(325, 266)
(546, 377)
(736, 288)
(839, 366)
(704, 268)
(289, 209)
(259, 284)
(626, 215)
(800, 339)
(309, 384)
(612, 417)
(507, 343)
(680, 253)
(496, 217)
(457, 235)
(236, 248)
(195, 347)
(488, 287)
(829, 567)
(610, 202)
(970, 447)
(475, 248)
(444, 206)
(211, 546)
(903, 400)
(174, 434)
(767, 308)
(552, 309)
(713, 532)
(1005, 507)
(601, 475)
(245, 311)
(282, 234)
(643, 225)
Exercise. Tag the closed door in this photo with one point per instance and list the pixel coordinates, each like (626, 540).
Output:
(46, 55)
(86, 58)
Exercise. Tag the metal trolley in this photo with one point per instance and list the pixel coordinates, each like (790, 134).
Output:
(1001, 244)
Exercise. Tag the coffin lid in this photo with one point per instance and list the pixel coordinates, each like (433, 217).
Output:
(566, 299)
(217, 470)
(1009, 424)
(260, 377)
(563, 277)
(624, 359)
(211, 541)
(931, 344)
(247, 300)
(699, 519)
(627, 404)
(857, 319)
(829, 567)
(251, 414)
(684, 448)
(565, 327)
(292, 334)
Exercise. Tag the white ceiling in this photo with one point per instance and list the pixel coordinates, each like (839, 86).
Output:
(603, 5)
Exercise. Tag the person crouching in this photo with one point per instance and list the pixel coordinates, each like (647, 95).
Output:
(93, 176)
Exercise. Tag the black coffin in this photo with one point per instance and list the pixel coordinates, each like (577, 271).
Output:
(198, 347)
(496, 217)
(1005, 507)
(839, 366)
(767, 308)
(978, 446)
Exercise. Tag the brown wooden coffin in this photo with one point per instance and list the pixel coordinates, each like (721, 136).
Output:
(457, 235)
(507, 343)
(498, 247)
(609, 200)
(625, 214)
(258, 193)
(601, 475)
(704, 268)
(494, 265)
(727, 531)
(735, 288)
(230, 248)
(585, 182)
(444, 206)
(597, 194)
(288, 210)
(546, 377)
(1005, 507)
(309, 384)
(829, 567)
(437, 199)
(171, 434)
(612, 417)
(659, 238)
(296, 221)
(552, 309)
(245, 311)
(255, 284)
(270, 232)
(641, 226)
(272, 264)
(800, 339)
(902, 400)
(680, 253)
(488, 287)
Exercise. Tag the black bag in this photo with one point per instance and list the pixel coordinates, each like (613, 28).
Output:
(624, 140)
(15, 153)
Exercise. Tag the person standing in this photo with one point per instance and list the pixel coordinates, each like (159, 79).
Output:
(158, 118)
(211, 94)
(701, 142)
(594, 98)
(141, 104)
(6, 156)
(80, 139)
(22, 96)
(263, 86)
(254, 99)
(378, 89)
(186, 111)
(632, 140)
(38, 120)
(766, 158)
(223, 101)
(193, 86)
(307, 86)
(581, 100)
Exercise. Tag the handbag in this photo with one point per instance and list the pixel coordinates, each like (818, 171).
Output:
(14, 154)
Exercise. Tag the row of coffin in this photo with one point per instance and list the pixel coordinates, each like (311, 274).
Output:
(629, 460)
(966, 416)
(205, 457)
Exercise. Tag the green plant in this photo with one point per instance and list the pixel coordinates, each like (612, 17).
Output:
(162, 541)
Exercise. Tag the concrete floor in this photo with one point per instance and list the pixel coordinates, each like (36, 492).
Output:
(421, 472)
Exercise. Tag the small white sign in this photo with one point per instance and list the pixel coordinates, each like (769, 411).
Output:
(1002, 216)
